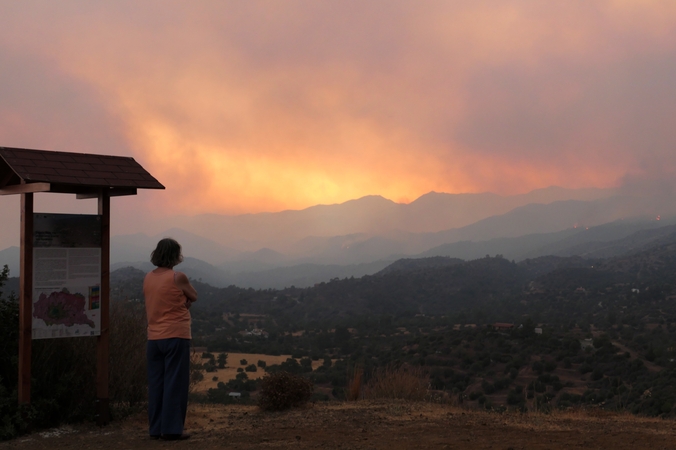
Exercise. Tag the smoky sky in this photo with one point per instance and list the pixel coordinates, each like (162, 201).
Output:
(256, 106)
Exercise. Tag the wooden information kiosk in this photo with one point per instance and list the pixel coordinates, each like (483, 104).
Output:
(26, 172)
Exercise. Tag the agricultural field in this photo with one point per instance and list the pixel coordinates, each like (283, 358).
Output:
(229, 372)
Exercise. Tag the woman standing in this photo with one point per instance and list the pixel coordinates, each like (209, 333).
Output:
(168, 296)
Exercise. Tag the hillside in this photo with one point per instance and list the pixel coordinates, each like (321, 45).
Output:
(544, 333)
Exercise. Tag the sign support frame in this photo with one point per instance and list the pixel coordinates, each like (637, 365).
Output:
(26, 298)
(103, 340)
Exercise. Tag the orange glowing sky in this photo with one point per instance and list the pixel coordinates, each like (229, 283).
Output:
(249, 106)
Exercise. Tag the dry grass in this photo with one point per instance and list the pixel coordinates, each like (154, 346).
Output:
(196, 370)
(403, 382)
(128, 337)
(354, 385)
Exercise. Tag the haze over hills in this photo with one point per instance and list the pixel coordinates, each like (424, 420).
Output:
(301, 248)
(371, 215)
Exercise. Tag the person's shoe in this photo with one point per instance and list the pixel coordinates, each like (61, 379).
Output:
(175, 437)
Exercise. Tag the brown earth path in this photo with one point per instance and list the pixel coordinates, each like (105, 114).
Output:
(390, 425)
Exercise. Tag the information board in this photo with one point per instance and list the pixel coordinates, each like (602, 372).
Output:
(66, 275)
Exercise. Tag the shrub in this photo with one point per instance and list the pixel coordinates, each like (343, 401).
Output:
(502, 383)
(597, 374)
(242, 376)
(251, 368)
(550, 366)
(403, 382)
(514, 398)
(306, 364)
(222, 360)
(128, 337)
(261, 364)
(487, 387)
(283, 390)
(538, 367)
(196, 370)
(243, 362)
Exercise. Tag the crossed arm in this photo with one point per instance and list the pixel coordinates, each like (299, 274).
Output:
(184, 284)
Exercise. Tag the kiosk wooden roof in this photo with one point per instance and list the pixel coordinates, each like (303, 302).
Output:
(25, 170)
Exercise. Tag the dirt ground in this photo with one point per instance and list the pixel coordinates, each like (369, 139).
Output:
(387, 425)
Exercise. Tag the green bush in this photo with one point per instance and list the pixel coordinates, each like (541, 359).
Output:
(283, 390)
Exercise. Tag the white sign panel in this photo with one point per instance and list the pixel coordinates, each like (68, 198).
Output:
(66, 275)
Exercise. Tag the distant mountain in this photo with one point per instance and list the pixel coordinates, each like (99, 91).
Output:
(516, 248)
(328, 241)
(192, 267)
(371, 215)
(533, 223)
(606, 248)
(302, 275)
(412, 264)
(594, 242)
(263, 259)
(137, 247)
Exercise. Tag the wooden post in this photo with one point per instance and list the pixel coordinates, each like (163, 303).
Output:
(103, 341)
(26, 299)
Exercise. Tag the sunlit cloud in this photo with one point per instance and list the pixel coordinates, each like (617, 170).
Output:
(262, 106)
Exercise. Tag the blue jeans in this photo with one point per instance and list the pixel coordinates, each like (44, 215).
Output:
(168, 380)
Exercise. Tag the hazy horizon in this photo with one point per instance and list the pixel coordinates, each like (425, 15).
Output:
(149, 224)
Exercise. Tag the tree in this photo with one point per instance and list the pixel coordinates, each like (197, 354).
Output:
(4, 274)
(9, 334)
(222, 360)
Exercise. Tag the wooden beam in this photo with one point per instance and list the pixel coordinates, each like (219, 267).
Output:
(103, 341)
(114, 192)
(94, 193)
(26, 298)
(25, 188)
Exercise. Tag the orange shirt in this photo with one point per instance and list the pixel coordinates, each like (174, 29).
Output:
(168, 317)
